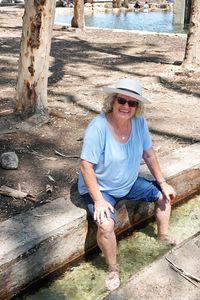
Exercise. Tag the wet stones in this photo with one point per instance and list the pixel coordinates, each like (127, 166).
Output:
(9, 160)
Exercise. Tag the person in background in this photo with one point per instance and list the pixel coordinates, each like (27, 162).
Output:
(137, 5)
(146, 7)
(114, 144)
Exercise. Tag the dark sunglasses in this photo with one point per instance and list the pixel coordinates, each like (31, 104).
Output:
(131, 103)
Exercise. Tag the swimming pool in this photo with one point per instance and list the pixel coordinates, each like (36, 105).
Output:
(158, 21)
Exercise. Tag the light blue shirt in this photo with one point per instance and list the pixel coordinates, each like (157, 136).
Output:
(116, 165)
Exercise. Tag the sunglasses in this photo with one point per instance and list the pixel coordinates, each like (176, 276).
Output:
(130, 103)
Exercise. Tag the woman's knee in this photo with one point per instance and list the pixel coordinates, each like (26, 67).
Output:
(162, 202)
(106, 227)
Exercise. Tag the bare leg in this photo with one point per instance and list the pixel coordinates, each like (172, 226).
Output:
(162, 213)
(106, 240)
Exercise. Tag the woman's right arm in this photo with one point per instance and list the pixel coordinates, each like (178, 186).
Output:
(101, 207)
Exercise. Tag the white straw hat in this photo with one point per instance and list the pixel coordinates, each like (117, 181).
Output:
(128, 87)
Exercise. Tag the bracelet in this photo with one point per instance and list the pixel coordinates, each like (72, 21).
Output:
(161, 182)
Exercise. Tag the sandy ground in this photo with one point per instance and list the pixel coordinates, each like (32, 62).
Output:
(81, 63)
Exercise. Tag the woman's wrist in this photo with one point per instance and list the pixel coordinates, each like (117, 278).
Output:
(162, 182)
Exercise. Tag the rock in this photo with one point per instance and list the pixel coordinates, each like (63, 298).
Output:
(9, 160)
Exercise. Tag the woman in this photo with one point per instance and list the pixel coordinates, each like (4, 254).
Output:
(114, 144)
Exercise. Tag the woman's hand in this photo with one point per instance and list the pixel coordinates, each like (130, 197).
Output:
(102, 210)
(150, 158)
(168, 191)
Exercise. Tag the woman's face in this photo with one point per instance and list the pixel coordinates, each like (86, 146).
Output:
(124, 107)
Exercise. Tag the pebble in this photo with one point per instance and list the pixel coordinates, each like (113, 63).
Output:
(9, 160)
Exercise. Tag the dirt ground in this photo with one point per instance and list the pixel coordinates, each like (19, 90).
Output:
(81, 63)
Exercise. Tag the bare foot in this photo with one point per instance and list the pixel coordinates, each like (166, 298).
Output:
(112, 280)
(165, 239)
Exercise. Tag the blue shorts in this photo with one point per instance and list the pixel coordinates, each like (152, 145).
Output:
(142, 190)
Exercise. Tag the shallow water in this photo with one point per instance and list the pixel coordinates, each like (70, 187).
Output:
(86, 281)
(159, 21)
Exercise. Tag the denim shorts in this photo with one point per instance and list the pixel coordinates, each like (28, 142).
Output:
(142, 190)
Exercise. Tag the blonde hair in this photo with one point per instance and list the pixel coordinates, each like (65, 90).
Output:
(108, 104)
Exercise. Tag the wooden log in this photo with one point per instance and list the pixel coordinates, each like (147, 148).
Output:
(6, 112)
(7, 191)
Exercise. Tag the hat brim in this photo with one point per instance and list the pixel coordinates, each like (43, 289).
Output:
(110, 90)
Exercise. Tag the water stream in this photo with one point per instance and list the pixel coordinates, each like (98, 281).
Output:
(86, 280)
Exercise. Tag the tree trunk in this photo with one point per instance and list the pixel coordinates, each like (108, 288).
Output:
(78, 18)
(192, 52)
(34, 56)
(188, 6)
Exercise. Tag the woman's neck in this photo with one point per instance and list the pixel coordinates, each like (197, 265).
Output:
(120, 128)
(120, 124)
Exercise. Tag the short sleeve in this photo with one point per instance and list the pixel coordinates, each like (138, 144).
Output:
(147, 141)
(93, 144)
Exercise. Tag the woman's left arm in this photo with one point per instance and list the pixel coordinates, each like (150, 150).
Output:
(151, 160)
